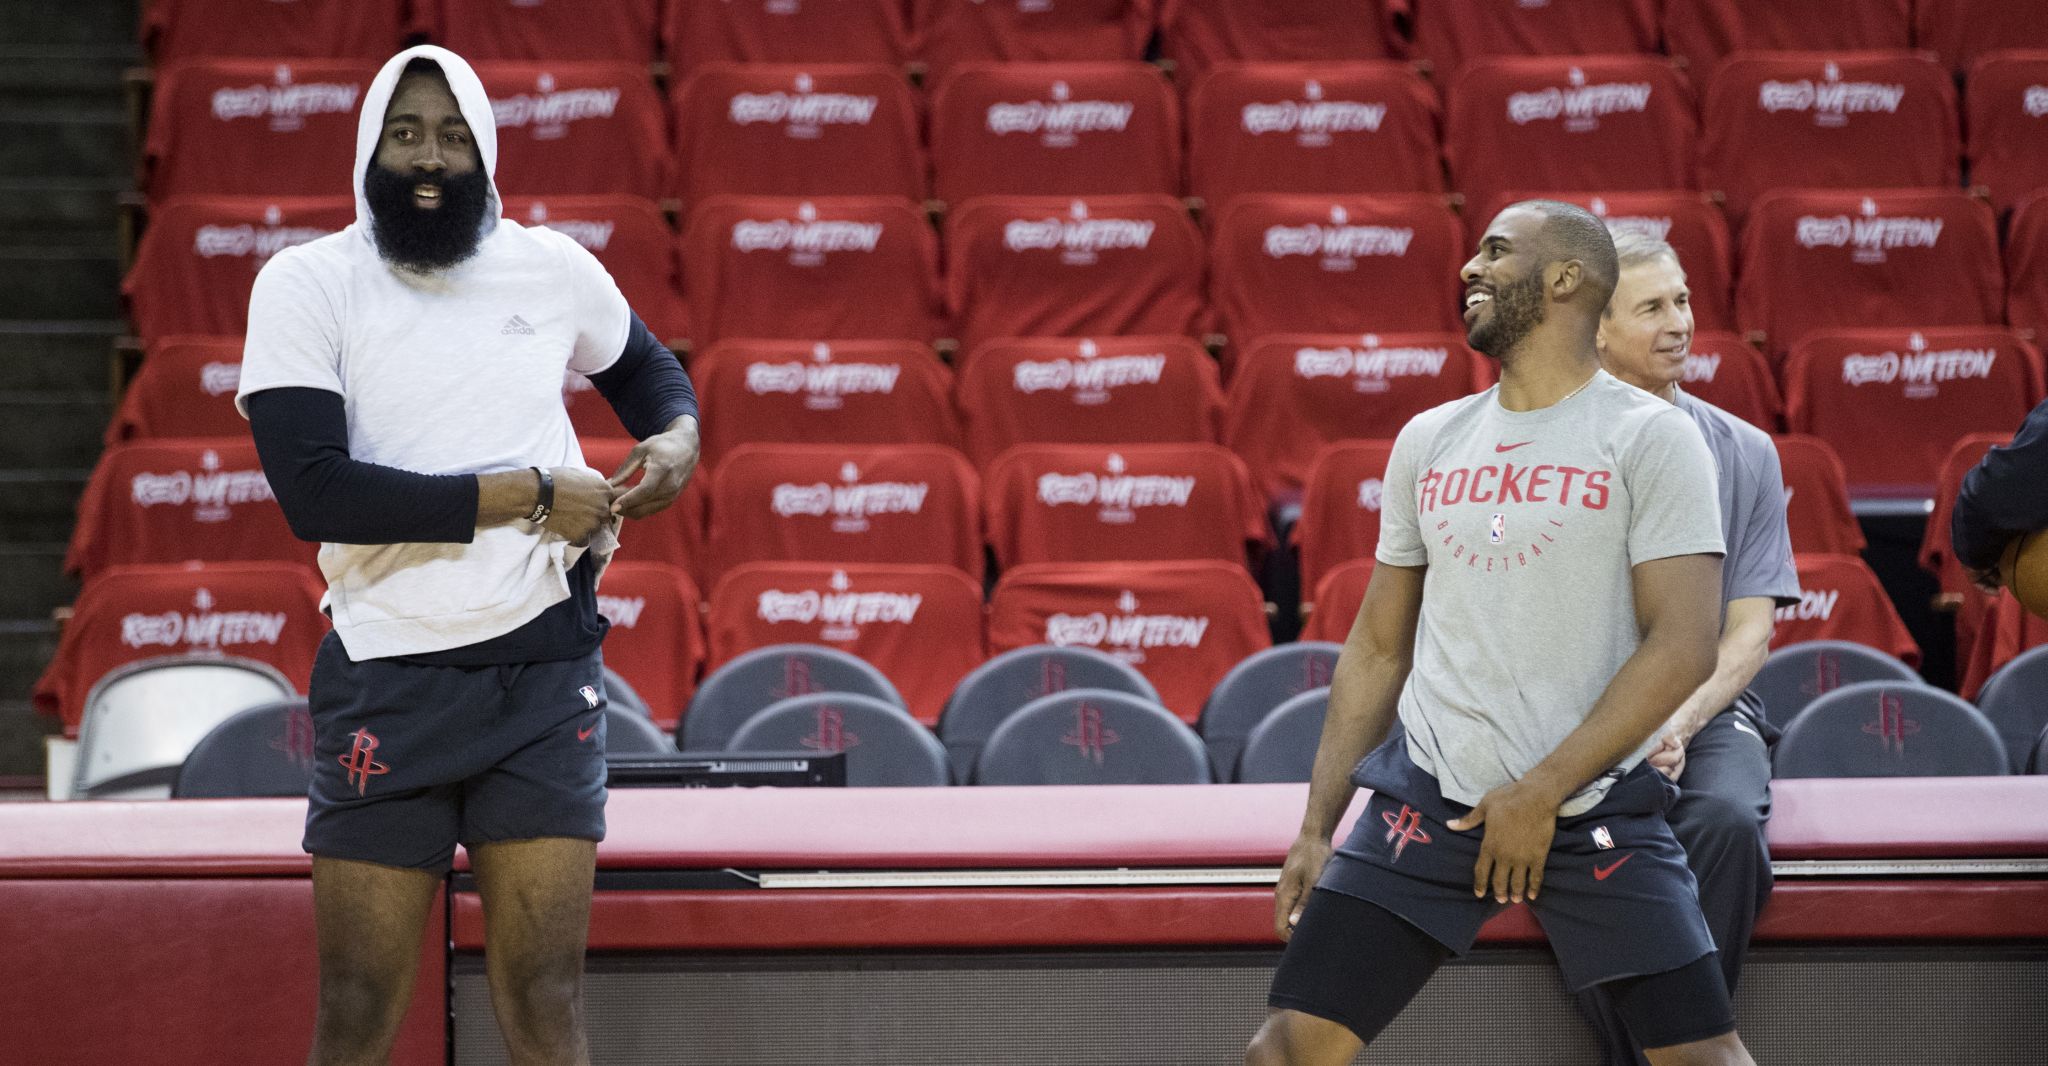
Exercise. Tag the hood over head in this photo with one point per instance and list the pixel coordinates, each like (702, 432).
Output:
(469, 96)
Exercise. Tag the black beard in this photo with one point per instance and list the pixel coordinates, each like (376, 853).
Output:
(1517, 309)
(426, 239)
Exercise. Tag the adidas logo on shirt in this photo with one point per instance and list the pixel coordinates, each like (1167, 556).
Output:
(517, 325)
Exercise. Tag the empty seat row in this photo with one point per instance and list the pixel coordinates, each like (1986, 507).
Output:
(1194, 34)
(869, 268)
(1576, 124)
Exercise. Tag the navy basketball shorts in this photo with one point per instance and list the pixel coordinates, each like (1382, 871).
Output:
(1617, 899)
(409, 760)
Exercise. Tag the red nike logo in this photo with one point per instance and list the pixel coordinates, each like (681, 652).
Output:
(584, 734)
(1600, 872)
(1512, 447)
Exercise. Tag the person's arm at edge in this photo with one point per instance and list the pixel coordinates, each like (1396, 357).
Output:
(1365, 690)
(1677, 610)
(2003, 497)
(301, 437)
(653, 396)
(1745, 644)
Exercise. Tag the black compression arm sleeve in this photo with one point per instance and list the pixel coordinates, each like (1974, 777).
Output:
(647, 386)
(302, 437)
(2005, 496)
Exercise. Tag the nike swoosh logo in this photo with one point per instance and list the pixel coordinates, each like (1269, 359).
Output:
(1512, 447)
(1747, 729)
(584, 734)
(1600, 872)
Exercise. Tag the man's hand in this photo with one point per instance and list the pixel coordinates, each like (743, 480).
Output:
(583, 504)
(1669, 754)
(1305, 861)
(1520, 822)
(668, 458)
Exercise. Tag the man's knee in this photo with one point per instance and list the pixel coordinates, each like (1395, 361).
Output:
(1711, 820)
(539, 993)
(1291, 1038)
(1725, 1050)
(360, 1008)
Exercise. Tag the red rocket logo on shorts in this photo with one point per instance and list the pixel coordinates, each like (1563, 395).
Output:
(359, 763)
(1404, 827)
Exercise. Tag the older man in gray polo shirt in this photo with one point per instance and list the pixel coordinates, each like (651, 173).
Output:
(1717, 744)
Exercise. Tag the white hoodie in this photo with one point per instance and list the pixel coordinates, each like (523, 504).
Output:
(456, 372)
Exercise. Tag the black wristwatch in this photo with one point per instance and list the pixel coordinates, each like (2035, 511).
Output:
(545, 504)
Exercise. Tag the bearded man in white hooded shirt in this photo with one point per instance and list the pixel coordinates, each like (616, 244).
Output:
(402, 380)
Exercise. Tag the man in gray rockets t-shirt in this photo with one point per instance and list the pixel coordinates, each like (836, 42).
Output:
(1545, 599)
(1717, 745)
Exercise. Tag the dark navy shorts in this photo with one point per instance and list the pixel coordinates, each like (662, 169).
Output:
(410, 759)
(1617, 899)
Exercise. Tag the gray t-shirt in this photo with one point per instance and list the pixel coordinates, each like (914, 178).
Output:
(1759, 559)
(1530, 523)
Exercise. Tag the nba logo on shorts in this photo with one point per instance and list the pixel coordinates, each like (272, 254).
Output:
(1602, 837)
(589, 695)
(1498, 528)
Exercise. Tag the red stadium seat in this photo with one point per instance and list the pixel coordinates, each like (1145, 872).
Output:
(845, 392)
(1054, 129)
(953, 32)
(1817, 497)
(197, 261)
(674, 536)
(1199, 34)
(1827, 120)
(1937, 550)
(1960, 31)
(830, 268)
(1575, 123)
(625, 31)
(1893, 402)
(1340, 507)
(2026, 265)
(169, 501)
(790, 130)
(1182, 624)
(2005, 111)
(1826, 259)
(1326, 128)
(1688, 221)
(1451, 33)
(631, 238)
(782, 31)
(1073, 503)
(186, 388)
(1337, 600)
(335, 29)
(2007, 630)
(1840, 599)
(1349, 264)
(874, 503)
(1294, 393)
(656, 640)
(1726, 371)
(267, 611)
(1047, 266)
(577, 127)
(1116, 390)
(920, 625)
(255, 127)
(1703, 32)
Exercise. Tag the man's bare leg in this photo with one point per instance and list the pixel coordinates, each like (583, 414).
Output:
(368, 919)
(536, 898)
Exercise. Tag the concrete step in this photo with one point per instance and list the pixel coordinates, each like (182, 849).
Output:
(59, 282)
(32, 580)
(40, 506)
(52, 429)
(65, 141)
(25, 648)
(71, 212)
(46, 24)
(59, 355)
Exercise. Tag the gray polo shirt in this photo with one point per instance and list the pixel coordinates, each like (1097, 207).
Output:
(1530, 523)
(1759, 559)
